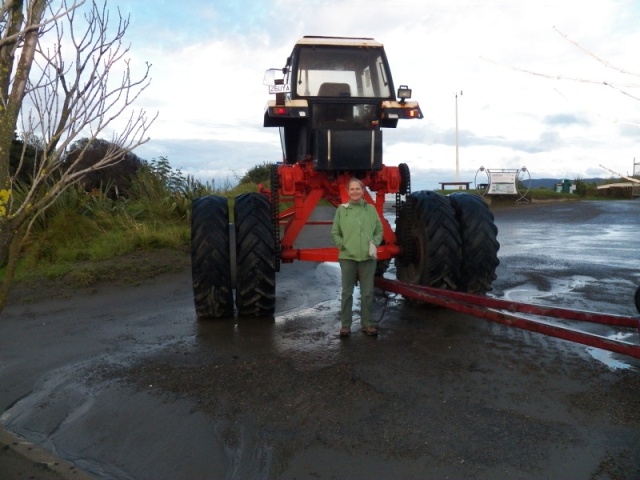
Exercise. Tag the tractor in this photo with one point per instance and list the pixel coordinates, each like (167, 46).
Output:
(333, 97)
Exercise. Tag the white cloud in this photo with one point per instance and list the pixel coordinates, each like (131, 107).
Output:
(210, 95)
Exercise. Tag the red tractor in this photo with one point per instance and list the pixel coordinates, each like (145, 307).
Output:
(332, 100)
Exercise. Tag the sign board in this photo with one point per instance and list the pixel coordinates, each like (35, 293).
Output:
(502, 183)
(505, 182)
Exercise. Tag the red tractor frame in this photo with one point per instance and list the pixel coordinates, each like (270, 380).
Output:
(333, 97)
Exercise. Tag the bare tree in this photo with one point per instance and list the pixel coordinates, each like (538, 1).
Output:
(64, 74)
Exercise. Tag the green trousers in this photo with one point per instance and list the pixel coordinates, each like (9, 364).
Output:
(364, 271)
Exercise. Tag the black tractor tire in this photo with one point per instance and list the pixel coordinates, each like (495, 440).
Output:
(479, 242)
(210, 258)
(428, 230)
(405, 179)
(256, 256)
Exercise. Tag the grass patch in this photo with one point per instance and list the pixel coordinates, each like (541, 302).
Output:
(86, 238)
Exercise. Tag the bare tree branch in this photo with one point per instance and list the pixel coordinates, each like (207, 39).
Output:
(72, 79)
(15, 38)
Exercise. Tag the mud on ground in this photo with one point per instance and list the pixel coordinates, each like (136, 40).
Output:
(437, 395)
(449, 400)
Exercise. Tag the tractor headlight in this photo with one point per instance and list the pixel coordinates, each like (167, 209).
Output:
(404, 92)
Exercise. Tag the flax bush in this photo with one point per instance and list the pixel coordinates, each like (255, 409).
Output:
(82, 227)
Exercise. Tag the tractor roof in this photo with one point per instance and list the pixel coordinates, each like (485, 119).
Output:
(339, 41)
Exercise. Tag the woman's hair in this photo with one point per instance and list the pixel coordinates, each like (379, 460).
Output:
(356, 180)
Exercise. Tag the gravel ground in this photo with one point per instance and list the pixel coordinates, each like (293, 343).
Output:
(437, 394)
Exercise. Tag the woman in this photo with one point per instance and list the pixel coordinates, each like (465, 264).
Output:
(355, 224)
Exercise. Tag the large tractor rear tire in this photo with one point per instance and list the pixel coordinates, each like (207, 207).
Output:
(256, 254)
(210, 263)
(428, 233)
(479, 243)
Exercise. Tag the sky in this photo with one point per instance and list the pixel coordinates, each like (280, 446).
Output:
(549, 85)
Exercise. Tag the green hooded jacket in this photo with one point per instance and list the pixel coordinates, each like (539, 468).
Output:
(353, 226)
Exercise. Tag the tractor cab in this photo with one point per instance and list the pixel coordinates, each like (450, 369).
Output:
(333, 96)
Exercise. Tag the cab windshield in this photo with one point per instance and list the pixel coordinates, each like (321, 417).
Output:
(342, 72)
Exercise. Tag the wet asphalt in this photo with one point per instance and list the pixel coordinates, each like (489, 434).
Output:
(108, 381)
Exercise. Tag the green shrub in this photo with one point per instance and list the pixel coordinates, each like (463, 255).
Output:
(81, 227)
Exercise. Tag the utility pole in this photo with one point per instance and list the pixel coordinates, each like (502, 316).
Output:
(457, 155)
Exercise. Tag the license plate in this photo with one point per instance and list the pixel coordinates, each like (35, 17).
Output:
(279, 88)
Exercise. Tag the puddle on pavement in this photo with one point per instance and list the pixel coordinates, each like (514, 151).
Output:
(564, 288)
(608, 358)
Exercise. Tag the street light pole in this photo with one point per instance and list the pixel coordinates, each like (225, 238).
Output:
(457, 155)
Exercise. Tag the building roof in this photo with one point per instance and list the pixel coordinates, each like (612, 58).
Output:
(617, 185)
